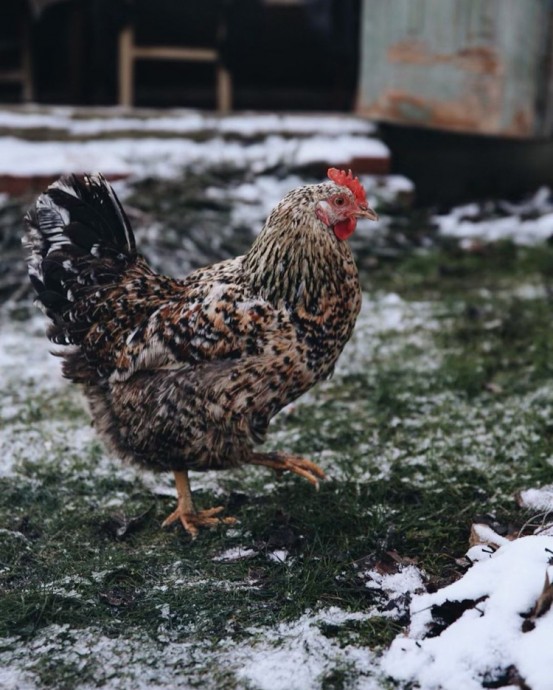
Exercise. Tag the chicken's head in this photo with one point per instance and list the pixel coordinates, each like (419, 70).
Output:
(344, 204)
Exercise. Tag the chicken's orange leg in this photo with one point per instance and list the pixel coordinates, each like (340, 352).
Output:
(190, 518)
(285, 462)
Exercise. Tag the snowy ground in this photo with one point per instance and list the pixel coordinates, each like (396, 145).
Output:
(491, 627)
(504, 618)
(292, 656)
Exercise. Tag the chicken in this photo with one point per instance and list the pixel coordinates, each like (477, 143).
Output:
(186, 374)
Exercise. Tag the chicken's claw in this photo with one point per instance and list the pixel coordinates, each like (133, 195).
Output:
(285, 462)
(191, 521)
(189, 517)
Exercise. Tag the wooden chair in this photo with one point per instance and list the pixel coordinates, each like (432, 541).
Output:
(130, 52)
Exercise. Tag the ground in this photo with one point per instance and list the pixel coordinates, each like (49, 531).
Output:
(438, 414)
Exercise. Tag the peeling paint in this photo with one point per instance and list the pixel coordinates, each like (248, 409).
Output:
(459, 65)
(468, 114)
(477, 59)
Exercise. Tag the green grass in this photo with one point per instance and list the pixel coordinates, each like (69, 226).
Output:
(445, 421)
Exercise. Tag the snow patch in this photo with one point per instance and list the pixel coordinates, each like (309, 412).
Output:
(488, 637)
(527, 223)
(296, 656)
(168, 157)
(292, 656)
(537, 499)
(110, 120)
(407, 579)
(237, 553)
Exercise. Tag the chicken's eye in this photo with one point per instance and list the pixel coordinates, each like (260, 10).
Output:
(339, 201)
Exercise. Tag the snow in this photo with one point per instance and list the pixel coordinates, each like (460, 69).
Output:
(537, 499)
(385, 314)
(388, 187)
(168, 157)
(529, 222)
(390, 313)
(292, 656)
(278, 556)
(407, 579)
(22, 346)
(111, 120)
(164, 150)
(341, 149)
(486, 535)
(237, 553)
(23, 365)
(487, 638)
(251, 202)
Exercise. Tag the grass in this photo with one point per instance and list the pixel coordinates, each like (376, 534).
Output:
(422, 431)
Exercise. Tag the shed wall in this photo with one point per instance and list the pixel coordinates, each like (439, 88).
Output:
(478, 66)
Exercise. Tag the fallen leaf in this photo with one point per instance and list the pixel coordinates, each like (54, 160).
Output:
(118, 525)
(542, 606)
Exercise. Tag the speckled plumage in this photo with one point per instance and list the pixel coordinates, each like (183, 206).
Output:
(186, 374)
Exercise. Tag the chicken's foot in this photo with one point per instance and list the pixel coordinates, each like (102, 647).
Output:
(285, 462)
(190, 518)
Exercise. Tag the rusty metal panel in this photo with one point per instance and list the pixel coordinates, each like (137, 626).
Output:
(466, 65)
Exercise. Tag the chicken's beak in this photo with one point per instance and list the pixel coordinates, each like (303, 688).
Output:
(366, 212)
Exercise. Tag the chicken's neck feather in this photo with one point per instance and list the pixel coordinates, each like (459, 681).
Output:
(297, 261)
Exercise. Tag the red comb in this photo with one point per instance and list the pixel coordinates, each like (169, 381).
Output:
(346, 179)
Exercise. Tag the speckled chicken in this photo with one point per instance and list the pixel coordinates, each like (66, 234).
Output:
(186, 374)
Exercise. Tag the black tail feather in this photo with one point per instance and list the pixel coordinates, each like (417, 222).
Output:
(98, 209)
(79, 239)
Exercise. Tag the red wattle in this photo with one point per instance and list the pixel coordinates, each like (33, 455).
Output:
(345, 228)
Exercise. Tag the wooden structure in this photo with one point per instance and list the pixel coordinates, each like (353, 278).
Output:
(130, 51)
(462, 65)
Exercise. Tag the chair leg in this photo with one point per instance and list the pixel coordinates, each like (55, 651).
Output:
(28, 92)
(126, 67)
(224, 89)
